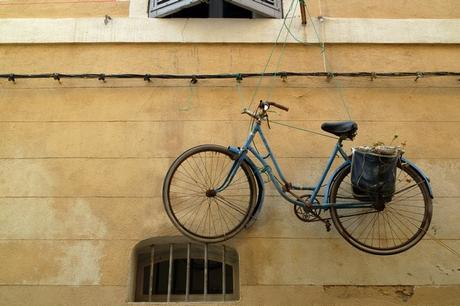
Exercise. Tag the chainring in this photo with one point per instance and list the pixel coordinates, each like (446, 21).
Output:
(305, 214)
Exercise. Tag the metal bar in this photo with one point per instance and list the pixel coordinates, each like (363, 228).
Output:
(223, 273)
(241, 157)
(152, 262)
(274, 180)
(343, 153)
(325, 172)
(303, 12)
(216, 9)
(170, 271)
(187, 280)
(271, 154)
(205, 271)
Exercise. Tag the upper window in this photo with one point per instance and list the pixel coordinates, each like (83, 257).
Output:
(181, 271)
(216, 8)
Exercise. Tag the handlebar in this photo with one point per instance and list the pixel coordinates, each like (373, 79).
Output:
(264, 106)
(277, 105)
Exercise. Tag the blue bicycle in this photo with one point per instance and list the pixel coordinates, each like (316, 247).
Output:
(211, 193)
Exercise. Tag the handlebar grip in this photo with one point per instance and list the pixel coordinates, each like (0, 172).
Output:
(279, 106)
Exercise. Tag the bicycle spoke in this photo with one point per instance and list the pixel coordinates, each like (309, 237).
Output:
(190, 200)
(193, 183)
(394, 226)
(197, 173)
(231, 205)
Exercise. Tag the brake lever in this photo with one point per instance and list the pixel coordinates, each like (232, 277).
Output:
(248, 112)
(268, 121)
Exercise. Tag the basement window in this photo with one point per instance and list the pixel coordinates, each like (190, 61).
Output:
(216, 8)
(186, 272)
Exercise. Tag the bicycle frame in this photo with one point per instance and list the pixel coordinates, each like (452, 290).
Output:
(242, 153)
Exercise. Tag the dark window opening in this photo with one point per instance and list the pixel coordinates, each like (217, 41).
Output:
(160, 281)
(246, 9)
(213, 9)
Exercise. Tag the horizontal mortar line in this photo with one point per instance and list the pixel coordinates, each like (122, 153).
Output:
(58, 285)
(324, 238)
(267, 195)
(338, 238)
(430, 285)
(221, 120)
(71, 239)
(77, 197)
(276, 195)
(59, 2)
(174, 157)
(233, 86)
(84, 157)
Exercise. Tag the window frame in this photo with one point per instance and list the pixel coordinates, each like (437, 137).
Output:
(182, 250)
(259, 8)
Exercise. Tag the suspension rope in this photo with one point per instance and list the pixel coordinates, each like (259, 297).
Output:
(190, 97)
(303, 129)
(284, 45)
(326, 63)
(443, 244)
(261, 75)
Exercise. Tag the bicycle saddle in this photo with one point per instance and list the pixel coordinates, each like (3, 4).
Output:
(343, 129)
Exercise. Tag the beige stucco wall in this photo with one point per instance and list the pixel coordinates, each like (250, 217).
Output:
(83, 161)
(63, 8)
(336, 8)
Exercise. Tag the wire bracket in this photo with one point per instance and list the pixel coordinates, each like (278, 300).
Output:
(419, 75)
(147, 78)
(284, 76)
(57, 77)
(373, 76)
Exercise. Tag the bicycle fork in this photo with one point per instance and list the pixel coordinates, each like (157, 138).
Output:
(230, 175)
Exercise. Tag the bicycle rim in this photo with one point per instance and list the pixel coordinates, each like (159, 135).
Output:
(192, 207)
(383, 230)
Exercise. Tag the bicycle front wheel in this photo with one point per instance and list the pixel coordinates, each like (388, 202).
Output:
(193, 205)
(382, 226)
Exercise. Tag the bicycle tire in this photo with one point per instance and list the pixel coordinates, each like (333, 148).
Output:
(392, 229)
(201, 216)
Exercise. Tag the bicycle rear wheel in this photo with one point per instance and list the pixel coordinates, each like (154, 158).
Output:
(191, 202)
(388, 226)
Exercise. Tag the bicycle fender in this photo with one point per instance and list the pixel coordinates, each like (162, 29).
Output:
(419, 171)
(426, 179)
(260, 186)
(331, 179)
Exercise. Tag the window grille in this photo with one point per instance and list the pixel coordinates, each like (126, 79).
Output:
(177, 272)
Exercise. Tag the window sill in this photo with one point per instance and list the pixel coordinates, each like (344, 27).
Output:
(143, 30)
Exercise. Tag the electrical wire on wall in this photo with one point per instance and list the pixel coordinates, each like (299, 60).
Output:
(416, 75)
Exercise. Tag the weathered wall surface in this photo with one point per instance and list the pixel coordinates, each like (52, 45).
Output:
(336, 8)
(385, 9)
(83, 161)
(62, 8)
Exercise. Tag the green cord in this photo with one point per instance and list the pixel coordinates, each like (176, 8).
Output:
(283, 47)
(270, 57)
(327, 65)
